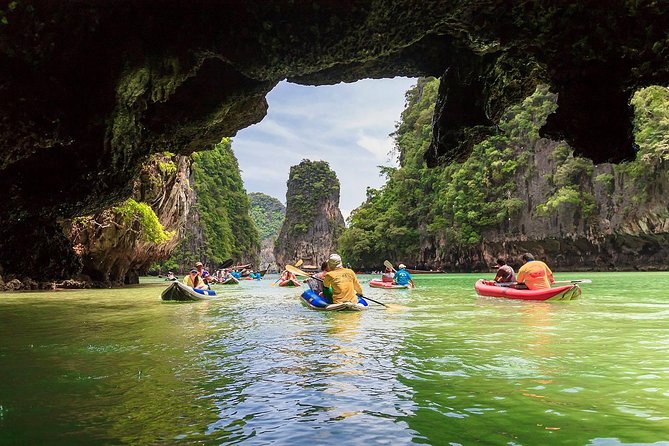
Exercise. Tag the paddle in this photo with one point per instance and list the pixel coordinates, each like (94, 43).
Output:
(227, 264)
(299, 272)
(573, 281)
(299, 263)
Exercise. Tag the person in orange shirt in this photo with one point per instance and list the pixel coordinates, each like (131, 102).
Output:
(344, 282)
(534, 274)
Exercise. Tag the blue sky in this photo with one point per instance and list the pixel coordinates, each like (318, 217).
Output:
(346, 125)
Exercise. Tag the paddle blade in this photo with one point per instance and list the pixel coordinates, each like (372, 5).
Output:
(296, 270)
(227, 263)
(387, 264)
(299, 263)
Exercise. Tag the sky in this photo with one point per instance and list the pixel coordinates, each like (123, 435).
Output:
(347, 125)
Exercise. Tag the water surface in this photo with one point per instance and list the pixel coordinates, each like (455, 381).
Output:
(256, 367)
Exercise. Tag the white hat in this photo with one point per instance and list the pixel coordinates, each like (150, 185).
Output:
(402, 265)
(334, 261)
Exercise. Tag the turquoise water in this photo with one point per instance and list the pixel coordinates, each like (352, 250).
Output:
(254, 366)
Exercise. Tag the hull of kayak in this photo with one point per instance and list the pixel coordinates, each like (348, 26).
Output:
(378, 283)
(289, 282)
(230, 281)
(316, 302)
(562, 293)
(177, 291)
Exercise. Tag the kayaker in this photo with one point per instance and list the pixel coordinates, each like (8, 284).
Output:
(315, 282)
(534, 274)
(344, 282)
(505, 274)
(388, 275)
(402, 276)
(193, 280)
(203, 273)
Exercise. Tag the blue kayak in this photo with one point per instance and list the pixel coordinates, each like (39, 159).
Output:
(316, 302)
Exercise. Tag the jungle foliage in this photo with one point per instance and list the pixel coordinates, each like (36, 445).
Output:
(221, 227)
(267, 213)
(224, 206)
(308, 183)
(452, 206)
(449, 204)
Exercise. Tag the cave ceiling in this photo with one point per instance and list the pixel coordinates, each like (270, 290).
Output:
(88, 89)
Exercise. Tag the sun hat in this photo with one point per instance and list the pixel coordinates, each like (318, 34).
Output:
(199, 264)
(402, 265)
(334, 261)
(193, 270)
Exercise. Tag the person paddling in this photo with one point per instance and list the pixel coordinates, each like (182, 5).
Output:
(402, 276)
(344, 282)
(388, 275)
(534, 274)
(193, 280)
(505, 273)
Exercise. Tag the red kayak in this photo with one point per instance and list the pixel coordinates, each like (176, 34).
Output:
(489, 289)
(378, 283)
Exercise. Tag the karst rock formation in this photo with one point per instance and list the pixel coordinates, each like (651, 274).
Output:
(313, 220)
(88, 90)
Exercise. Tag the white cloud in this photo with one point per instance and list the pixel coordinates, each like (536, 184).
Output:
(378, 147)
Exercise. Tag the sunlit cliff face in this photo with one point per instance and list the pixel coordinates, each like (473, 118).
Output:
(88, 91)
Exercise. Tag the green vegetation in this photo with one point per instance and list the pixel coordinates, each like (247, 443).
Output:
(141, 218)
(451, 204)
(220, 222)
(450, 207)
(309, 182)
(267, 213)
(223, 206)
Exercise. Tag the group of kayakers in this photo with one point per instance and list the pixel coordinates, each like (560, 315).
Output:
(399, 277)
(532, 275)
(200, 278)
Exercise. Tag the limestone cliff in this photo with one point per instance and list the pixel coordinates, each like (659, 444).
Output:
(119, 243)
(519, 193)
(219, 226)
(268, 214)
(313, 220)
(575, 214)
(88, 90)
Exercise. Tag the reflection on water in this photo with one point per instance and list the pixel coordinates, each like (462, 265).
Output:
(255, 366)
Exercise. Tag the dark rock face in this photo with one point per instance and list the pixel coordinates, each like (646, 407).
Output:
(114, 251)
(88, 91)
(622, 234)
(313, 220)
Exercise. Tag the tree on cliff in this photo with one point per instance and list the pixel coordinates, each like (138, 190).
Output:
(313, 220)
(267, 213)
(220, 226)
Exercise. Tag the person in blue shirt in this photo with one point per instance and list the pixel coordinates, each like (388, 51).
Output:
(402, 276)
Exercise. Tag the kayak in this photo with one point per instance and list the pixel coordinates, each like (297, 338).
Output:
(180, 292)
(378, 283)
(316, 302)
(229, 281)
(489, 289)
(289, 282)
